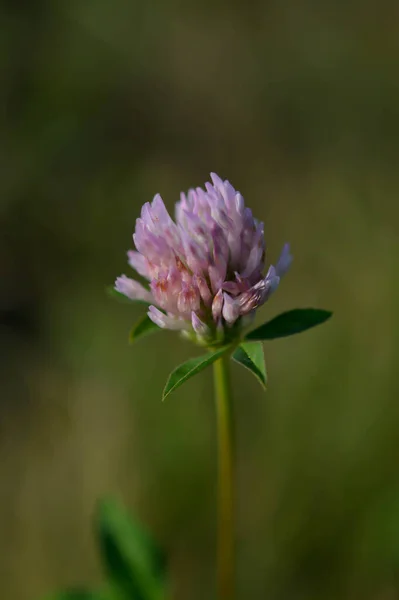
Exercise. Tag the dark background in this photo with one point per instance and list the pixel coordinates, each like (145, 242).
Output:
(103, 105)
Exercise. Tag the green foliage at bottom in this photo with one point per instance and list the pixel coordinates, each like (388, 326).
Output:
(134, 565)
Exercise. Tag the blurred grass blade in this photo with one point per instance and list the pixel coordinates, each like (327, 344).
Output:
(289, 323)
(134, 564)
(250, 355)
(190, 368)
(143, 327)
(113, 293)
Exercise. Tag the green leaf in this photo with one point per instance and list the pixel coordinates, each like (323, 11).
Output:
(143, 327)
(134, 564)
(250, 355)
(190, 368)
(78, 594)
(113, 293)
(289, 323)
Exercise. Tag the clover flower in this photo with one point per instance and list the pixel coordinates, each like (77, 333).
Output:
(205, 269)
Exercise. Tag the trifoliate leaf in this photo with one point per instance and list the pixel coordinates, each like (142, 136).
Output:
(289, 323)
(250, 355)
(190, 368)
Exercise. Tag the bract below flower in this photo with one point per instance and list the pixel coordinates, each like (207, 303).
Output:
(205, 269)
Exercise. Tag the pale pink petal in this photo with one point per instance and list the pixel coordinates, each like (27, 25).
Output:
(257, 294)
(199, 326)
(284, 262)
(139, 263)
(231, 309)
(205, 292)
(188, 299)
(132, 289)
(217, 306)
(166, 321)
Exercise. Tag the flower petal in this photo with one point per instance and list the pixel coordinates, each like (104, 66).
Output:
(139, 263)
(200, 282)
(166, 321)
(231, 309)
(272, 279)
(132, 289)
(258, 294)
(199, 326)
(284, 262)
(188, 299)
(217, 306)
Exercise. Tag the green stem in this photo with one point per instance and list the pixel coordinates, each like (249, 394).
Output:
(225, 563)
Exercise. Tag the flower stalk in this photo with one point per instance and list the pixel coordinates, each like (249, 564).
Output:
(225, 442)
(204, 276)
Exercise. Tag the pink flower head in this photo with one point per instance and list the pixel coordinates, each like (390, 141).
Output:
(205, 269)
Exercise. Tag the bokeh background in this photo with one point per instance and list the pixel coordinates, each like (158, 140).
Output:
(103, 105)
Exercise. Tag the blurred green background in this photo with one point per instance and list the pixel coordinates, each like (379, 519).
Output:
(103, 105)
